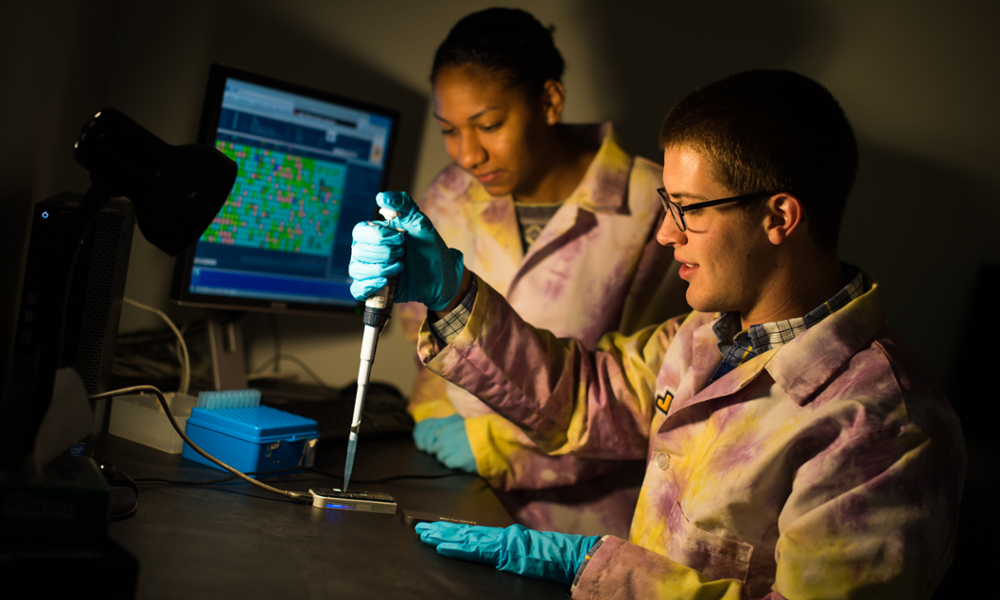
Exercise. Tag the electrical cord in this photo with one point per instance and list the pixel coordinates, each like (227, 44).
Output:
(280, 357)
(123, 509)
(280, 472)
(185, 358)
(305, 496)
(455, 473)
(297, 496)
(277, 342)
(259, 474)
(154, 356)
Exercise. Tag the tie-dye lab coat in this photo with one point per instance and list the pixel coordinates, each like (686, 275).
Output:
(831, 467)
(595, 268)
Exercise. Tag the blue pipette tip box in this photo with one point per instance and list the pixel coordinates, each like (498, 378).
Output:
(251, 438)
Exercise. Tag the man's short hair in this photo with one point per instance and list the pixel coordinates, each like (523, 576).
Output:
(772, 131)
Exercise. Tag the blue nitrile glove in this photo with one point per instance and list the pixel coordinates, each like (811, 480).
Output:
(376, 254)
(429, 271)
(544, 555)
(447, 440)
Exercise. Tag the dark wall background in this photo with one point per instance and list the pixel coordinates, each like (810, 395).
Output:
(918, 80)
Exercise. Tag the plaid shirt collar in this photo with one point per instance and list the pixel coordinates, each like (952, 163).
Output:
(738, 346)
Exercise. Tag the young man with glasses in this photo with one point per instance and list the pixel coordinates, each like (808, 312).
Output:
(795, 447)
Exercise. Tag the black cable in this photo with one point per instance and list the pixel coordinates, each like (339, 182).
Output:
(123, 510)
(182, 482)
(300, 363)
(395, 477)
(279, 472)
(258, 474)
(277, 342)
(151, 354)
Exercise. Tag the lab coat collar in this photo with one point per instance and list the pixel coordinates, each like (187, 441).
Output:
(810, 360)
(799, 367)
(602, 189)
(604, 184)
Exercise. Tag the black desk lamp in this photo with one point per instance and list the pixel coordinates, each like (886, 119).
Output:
(176, 191)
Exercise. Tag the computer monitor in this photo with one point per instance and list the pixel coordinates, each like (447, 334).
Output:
(310, 165)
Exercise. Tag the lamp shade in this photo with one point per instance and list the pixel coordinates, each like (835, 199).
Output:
(177, 190)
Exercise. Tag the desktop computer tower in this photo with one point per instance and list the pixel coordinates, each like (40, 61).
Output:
(93, 309)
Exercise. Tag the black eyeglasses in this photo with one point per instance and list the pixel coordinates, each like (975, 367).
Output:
(677, 211)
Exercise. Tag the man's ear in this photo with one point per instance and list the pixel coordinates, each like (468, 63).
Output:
(553, 100)
(784, 216)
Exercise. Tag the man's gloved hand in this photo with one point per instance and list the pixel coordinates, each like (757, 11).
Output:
(429, 271)
(447, 440)
(544, 555)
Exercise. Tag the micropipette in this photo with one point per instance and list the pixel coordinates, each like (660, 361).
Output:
(377, 311)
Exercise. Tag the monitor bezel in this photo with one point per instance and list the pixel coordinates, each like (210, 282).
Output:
(211, 111)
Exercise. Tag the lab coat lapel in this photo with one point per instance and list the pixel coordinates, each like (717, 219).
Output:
(696, 387)
(496, 219)
(569, 223)
(705, 359)
(603, 189)
(799, 368)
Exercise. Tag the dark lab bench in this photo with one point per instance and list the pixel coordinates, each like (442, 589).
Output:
(234, 540)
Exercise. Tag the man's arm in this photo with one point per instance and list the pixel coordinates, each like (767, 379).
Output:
(550, 386)
(529, 365)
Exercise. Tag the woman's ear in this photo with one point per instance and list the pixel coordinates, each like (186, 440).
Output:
(784, 216)
(553, 101)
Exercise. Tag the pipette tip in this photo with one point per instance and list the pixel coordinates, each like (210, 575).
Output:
(352, 445)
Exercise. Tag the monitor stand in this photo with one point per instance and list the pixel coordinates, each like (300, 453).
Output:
(225, 337)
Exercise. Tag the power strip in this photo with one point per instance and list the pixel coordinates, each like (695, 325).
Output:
(141, 419)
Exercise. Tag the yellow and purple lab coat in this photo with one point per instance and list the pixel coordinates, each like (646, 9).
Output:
(830, 467)
(595, 268)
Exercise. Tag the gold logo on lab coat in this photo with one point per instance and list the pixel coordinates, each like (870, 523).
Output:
(663, 401)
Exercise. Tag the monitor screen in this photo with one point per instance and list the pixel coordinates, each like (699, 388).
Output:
(310, 164)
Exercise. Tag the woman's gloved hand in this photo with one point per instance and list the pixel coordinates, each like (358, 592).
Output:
(447, 440)
(429, 271)
(544, 555)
